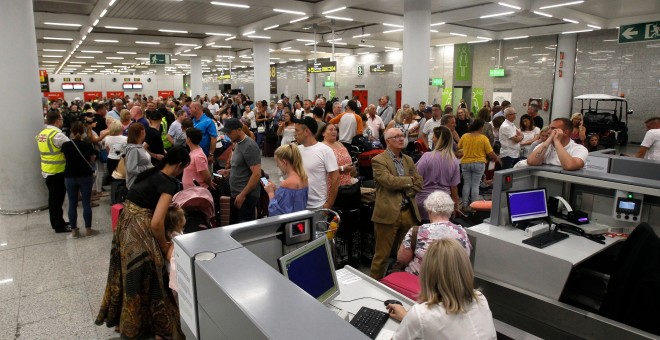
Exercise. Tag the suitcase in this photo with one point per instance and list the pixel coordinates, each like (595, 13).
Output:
(225, 210)
(115, 210)
(364, 162)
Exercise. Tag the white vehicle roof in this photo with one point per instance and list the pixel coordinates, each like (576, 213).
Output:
(600, 97)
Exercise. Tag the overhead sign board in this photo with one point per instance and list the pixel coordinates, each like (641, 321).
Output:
(273, 79)
(160, 58)
(646, 31)
(437, 81)
(381, 68)
(497, 72)
(322, 67)
(329, 83)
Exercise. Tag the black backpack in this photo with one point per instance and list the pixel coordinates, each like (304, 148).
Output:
(362, 143)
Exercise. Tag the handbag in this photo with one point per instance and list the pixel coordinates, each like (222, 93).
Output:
(261, 129)
(103, 155)
(120, 170)
(348, 196)
(83, 157)
(398, 266)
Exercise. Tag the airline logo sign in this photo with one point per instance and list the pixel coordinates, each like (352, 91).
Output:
(646, 31)
(322, 67)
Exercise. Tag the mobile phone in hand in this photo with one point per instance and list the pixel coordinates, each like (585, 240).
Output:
(264, 181)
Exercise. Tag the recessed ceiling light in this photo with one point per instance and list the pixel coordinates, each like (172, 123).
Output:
(117, 58)
(542, 14)
(221, 46)
(339, 18)
(571, 21)
(258, 37)
(50, 62)
(172, 31)
(185, 44)
(271, 27)
(580, 31)
(148, 42)
(77, 62)
(51, 56)
(434, 31)
(186, 51)
(334, 10)
(458, 34)
(299, 19)
(122, 28)
(495, 15)
(83, 57)
(231, 38)
(508, 5)
(106, 40)
(188, 55)
(362, 35)
(89, 51)
(594, 26)
(141, 58)
(248, 33)
(392, 25)
(476, 41)
(197, 47)
(105, 11)
(52, 50)
(563, 4)
(519, 37)
(56, 38)
(126, 52)
(362, 45)
(62, 24)
(95, 22)
(288, 11)
(392, 31)
(305, 40)
(438, 24)
(228, 4)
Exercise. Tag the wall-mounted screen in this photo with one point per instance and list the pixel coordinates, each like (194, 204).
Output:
(137, 85)
(67, 86)
(78, 86)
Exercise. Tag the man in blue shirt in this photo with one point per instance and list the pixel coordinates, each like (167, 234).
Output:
(208, 128)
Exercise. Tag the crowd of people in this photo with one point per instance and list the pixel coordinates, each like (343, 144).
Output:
(165, 145)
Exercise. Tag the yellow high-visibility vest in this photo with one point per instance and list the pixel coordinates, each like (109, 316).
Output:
(52, 158)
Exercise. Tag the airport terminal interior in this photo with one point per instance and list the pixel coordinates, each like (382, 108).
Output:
(563, 245)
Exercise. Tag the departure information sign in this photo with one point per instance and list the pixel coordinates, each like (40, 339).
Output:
(381, 68)
(322, 67)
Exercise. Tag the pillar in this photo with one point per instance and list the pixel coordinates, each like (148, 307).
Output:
(562, 91)
(311, 87)
(261, 69)
(196, 77)
(23, 188)
(416, 51)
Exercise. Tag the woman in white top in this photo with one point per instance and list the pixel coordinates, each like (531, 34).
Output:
(287, 129)
(114, 143)
(530, 133)
(449, 307)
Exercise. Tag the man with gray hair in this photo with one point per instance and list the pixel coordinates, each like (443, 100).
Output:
(374, 122)
(119, 105)
(510, 138)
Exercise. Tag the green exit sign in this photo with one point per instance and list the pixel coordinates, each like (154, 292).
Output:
(329, 83)
(437, 81)
(497, 72)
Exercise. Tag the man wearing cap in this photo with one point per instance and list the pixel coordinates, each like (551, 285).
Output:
(320, 164)
(208, 128)
(50, 141)
(244, 173)
(426, 114)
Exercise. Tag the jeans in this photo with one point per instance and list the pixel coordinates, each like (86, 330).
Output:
(246, 212)
(56, 193)
(472, 173)
(509, 162)
(84, 186)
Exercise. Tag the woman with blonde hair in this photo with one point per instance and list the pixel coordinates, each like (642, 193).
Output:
(579, 132)
(125, 120)
(403, 120)
(114, 143)
(448, 305)
(291, 196)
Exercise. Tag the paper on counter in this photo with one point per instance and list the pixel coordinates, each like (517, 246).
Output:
(346, 277)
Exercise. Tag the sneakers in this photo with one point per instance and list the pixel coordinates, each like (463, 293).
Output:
(89, 232)
(75, 233)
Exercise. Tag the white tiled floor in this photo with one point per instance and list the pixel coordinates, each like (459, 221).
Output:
(50, 286)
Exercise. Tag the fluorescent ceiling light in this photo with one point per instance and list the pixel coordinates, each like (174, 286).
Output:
(331, 40)
(221, 46)
(172, 31)
(458, 34)
(305, 40)
(476, 41)
(62, 24)
(140, 59)
(519, 37)
(117, 58)
(433, 31)
(50, 62)
(274, 58)
(338, 18)
(288, 11)
(580, 31)
(483, 38)
(112, 2)
(258, 37)
(594, 26)
(438, 24)
(188, 55)
(571, 21)
(122, 52)
(271, 27)
(227, 4)
(106, 40)
(95, 22)
(563, 4)
(495, 15)
(362, 45)
(83, 57)
(56, 38)
(392, 31)
(89, 30)
(197, 47)
(245, 56)
(292, 51)
(299, 19)
(219, 34)
(122, 28)
(607, 40)
(77, 62)
(363, 53)
(508, 5)
(148, 42)
(88, 51)
(105, 11)
(127, 63)
(186, 51)
(334, 10)
(248, 33)
(392, 25)
(392, 48)
(211, 43)
(185, 44)
(543, 14)
(51, 56)
(338, 43)
(231, 38)
(52, 50)
(362, 35)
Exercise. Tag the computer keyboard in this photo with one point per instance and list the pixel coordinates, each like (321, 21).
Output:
(369, 321)
(545, 239)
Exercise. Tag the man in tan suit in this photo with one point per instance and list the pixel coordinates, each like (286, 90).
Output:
(395, 211)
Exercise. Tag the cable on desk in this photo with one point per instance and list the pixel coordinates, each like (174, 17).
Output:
(335, 306)
(360, 298)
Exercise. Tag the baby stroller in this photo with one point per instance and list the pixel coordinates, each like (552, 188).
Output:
(197, 203)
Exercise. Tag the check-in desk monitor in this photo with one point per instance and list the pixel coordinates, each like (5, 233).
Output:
(526, 206)
(311, 268)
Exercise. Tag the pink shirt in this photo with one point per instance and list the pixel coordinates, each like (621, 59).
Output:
(198, 162)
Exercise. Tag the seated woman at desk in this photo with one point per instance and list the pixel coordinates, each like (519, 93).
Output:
(291, 196)
(448, 306)
(440, 207)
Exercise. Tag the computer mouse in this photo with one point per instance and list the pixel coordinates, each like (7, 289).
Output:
(390, 302)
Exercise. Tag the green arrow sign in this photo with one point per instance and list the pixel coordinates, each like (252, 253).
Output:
(159, 59)
(646, 31)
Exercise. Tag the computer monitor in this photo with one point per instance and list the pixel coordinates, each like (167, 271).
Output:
(311, 268)
(527, 205)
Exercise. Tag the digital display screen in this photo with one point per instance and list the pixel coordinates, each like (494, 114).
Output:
(583, 219)
(127, 86)
(298, 228)
(78, 86)
(67, 86)
(311, 269)
(137, 86)
(626, 205)
(527, 205)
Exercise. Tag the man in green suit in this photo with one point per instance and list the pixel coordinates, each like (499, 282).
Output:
(395, 211)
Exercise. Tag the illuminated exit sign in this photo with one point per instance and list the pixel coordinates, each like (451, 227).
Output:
(497, 72)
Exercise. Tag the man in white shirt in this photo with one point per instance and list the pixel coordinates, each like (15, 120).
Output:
(116, 111)
(214, 107)
(559, 149)
(349, 123)
(343, 103)
(385, 111)
(320, 164)
(510, 138)
(430, 124)
(650, 148)
(307, 108)
(375, 123)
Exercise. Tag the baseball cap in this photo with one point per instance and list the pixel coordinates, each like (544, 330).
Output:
(428, 109)
(231, 125)
(311, 124)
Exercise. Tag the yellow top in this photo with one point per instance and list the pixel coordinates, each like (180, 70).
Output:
(475, 148)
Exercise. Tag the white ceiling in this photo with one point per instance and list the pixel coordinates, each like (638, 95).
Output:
(195, 19)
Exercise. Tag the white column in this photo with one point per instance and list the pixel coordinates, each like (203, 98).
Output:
(23, 188)
(311, 87)
(416, 50)
(562, 93)
(196, 77)
(261, 64)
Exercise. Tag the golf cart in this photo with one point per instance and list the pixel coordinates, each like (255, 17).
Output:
(603, 116)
